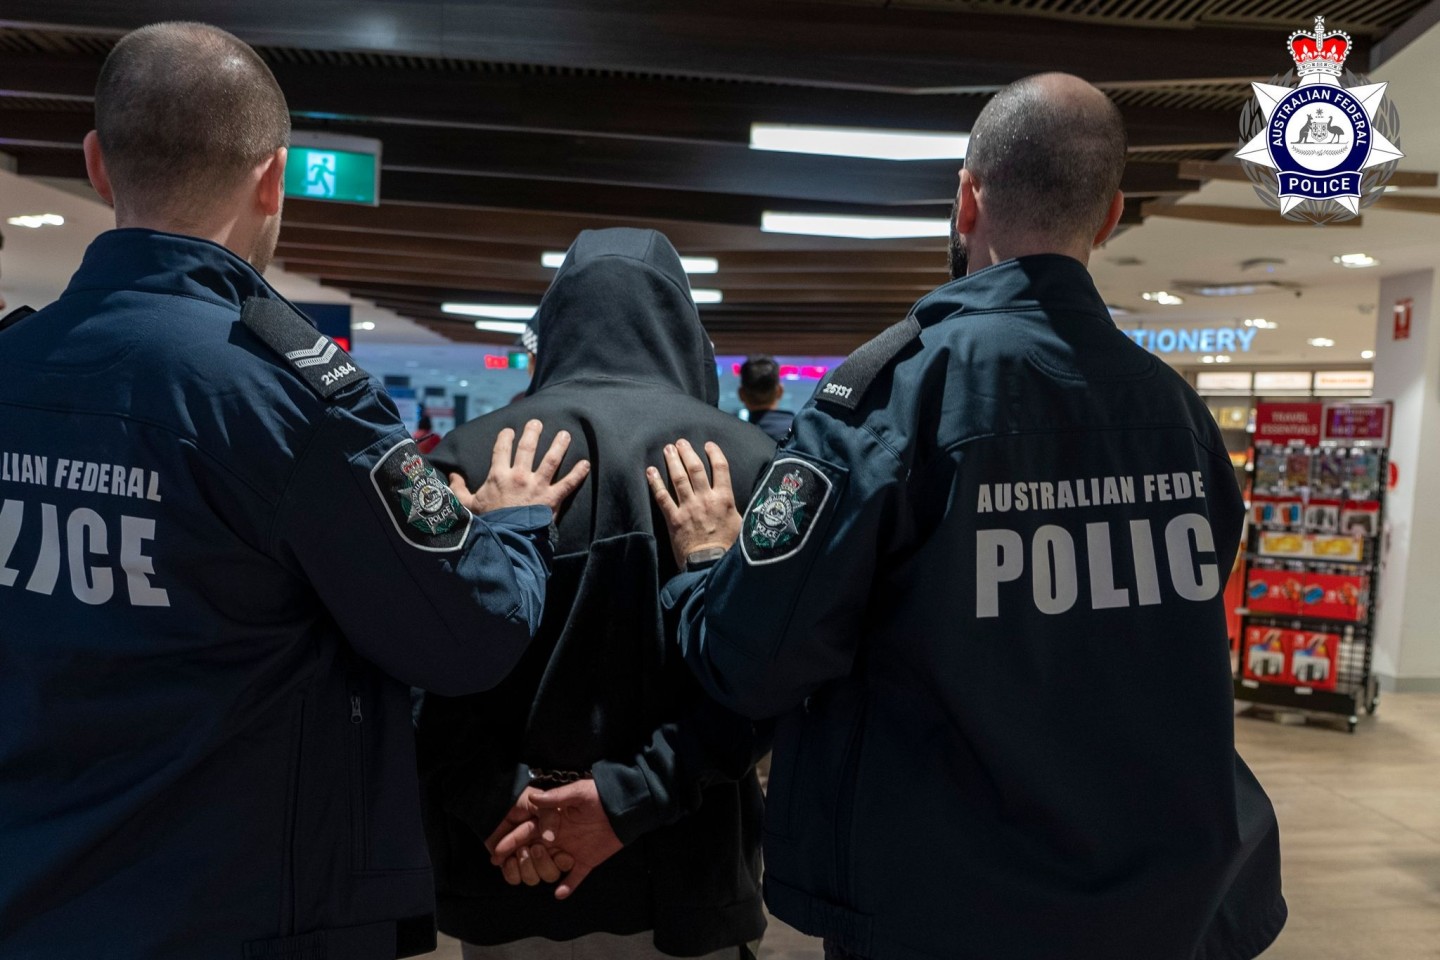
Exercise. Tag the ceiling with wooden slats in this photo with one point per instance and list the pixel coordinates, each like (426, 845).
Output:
(508, 128)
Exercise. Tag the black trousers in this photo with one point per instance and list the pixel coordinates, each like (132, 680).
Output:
(833, 951)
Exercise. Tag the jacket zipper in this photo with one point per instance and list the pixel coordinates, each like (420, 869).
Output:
(357, 784)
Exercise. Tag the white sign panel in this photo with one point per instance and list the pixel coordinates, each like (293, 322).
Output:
(1345, 381)
(1223, 381)
(1283, 381)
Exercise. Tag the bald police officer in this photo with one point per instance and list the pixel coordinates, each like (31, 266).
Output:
(222, 558)
(981, 589)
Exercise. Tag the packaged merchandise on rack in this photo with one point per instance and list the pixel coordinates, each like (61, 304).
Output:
(1274, 590)
(1362, 478)
(1322, 516)
(1267, 654)
(1314, 659)
(1361, 518)
(1333, 547)
(1328, 481)
(1340, 547)
(1269, 462)
(1297, 471)
(1334, 596)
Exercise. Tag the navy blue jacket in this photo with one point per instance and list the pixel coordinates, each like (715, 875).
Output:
(982, 586)
(215, 584)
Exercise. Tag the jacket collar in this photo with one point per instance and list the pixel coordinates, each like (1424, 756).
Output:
(1046, 280)
(150, 261)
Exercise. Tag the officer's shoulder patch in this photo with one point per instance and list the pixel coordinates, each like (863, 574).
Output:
(424, 509)
(316, 358)
(14, 317)
(847, 385)
(786, 506)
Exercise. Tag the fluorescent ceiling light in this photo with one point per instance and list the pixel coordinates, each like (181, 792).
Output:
(1207, 289)
(1320, 342)
(859, 228)
(37, 220)
(1163, 298)
(554, 258)
(365, 325)
(1260, 323)
(1207, 359)
(501, 326)
(1367, 354)
(1355, 261)
(1222, 358)
(702, 295)
(492, 311)
(700, 264)
(870, 144)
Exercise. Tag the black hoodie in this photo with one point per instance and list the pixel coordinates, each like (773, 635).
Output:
(626, 367)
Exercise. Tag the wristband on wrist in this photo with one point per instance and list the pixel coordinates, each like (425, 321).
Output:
(703, 558)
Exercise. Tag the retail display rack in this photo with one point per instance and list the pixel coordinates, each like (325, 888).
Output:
(1312, 564)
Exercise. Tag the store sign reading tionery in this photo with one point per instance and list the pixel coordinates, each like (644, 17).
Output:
(1194, 339)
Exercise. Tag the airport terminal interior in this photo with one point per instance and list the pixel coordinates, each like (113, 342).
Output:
(802, 155)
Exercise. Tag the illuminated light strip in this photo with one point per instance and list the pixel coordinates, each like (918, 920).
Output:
(555, 258)
(865, 143)
(859, 228)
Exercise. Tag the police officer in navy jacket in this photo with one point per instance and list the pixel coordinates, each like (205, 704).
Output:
(981, 587)
(222, 559)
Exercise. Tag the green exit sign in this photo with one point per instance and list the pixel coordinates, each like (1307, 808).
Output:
(331, 167)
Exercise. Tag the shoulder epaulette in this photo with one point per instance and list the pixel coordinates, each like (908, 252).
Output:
(316, 358)
(14, 317)
(847, 385)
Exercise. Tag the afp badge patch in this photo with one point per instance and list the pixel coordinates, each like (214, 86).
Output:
(786, 506)
(425, 512)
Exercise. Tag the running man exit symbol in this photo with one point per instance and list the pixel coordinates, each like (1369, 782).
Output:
(320, 174)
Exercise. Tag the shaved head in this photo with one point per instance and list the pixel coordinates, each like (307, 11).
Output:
(1048, 151)
(184, 112)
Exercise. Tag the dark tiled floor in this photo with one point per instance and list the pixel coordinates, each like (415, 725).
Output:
(1360, 828)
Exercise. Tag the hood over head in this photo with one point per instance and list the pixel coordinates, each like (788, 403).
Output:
(620, 308)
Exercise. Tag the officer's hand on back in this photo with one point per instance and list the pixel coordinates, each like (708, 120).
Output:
(702, 515)
(515, 481)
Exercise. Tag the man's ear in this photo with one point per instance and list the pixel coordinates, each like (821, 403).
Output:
(779, 391)
(270, 190)
(967, 205)
(1112, 218)
(95, 167)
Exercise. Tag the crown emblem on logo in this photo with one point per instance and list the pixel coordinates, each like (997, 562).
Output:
(413, 467)
(1319, 52)
(791, 483)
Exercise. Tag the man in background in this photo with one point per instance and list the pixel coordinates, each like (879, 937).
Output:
(222, 561)
(602, 720)
(760, 391)
(981, 587)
